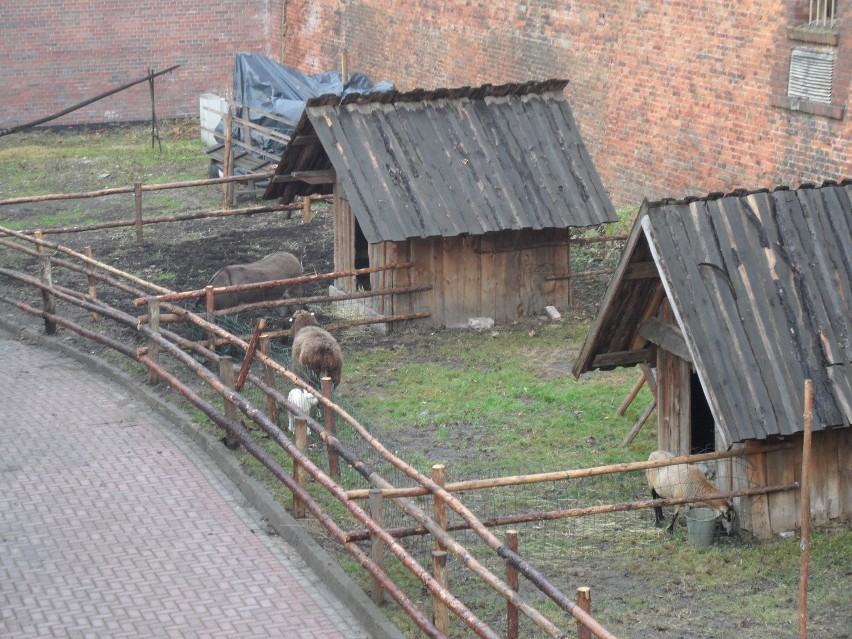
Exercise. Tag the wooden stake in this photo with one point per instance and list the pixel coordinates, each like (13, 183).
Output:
(584, 600)
(301, 441)
(439, 556)
(513, 580)
(46, 277)
(306, 210)
(440, 614)
(249, 357)
(375, 504)
(806, 512)
(226, 373)
(269, 380)
(137, 199)
(90, 276)
(153, 345)
(227, 161)
(331, 428)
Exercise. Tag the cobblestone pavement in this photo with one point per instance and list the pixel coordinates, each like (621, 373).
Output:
(111, 527)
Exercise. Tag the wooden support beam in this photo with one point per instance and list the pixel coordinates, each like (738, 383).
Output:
(308, 177)
(641, 271)
(666, 336)
(624, 358)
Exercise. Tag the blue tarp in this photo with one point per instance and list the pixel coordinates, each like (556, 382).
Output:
(263, 85)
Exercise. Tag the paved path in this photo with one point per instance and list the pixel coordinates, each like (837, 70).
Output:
(111, 526)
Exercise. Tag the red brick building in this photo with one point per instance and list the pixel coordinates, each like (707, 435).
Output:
(57, 54)
(672, 98)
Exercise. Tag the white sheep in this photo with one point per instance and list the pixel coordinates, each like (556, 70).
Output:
(684, 480)
(303, 400)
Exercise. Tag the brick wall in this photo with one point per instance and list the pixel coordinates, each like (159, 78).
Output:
(57, 54)
(672, 98)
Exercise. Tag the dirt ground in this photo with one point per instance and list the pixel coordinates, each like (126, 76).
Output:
(184, 255)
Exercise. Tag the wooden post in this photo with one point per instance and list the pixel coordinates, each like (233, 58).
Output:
(210, 304)
(46, 276)
(226, 373)
(584, 601)
(137, 198)
(228, 159)
(377, 553)
(568, 266)
(329, 423)
(631, 395)
(440, 613)
(301, 441)
(640, 422)
(513, 580)
(269, 380)
(806, 512)
(90, 276)
(306, 209)
(153, 345)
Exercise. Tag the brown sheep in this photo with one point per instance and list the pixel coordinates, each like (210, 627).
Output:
(314, 349)
(684, 480)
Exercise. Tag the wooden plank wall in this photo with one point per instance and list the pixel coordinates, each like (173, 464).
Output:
(498, 275)
(830, 484)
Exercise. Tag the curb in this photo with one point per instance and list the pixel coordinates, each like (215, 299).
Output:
(362, 608)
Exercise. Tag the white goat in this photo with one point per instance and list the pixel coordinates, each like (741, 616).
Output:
(304, 401)
(684, 480)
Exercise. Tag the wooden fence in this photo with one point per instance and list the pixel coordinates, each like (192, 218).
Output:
(166, 353)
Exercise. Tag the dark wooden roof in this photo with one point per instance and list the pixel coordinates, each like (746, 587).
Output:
(761, 288)
(449, 161)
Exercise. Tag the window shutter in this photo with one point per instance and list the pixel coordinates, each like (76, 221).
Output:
(811, 73)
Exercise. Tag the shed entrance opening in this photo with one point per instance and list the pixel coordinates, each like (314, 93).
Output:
(702, 425)
(362, 258)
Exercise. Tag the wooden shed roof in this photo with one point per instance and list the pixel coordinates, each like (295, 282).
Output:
(447, 162)
(761, 288)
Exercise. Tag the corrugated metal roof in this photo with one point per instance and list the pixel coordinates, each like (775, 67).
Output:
(761, 286)
(451, 161)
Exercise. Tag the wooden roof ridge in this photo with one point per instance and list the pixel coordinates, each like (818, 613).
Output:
(739, 193)
(451, 93)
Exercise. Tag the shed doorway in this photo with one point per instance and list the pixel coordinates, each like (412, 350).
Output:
(702, 432)
(362, 258)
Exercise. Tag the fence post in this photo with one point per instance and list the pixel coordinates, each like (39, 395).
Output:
(805, 560)
(153, 345)
(210, 304)
(306, 209)
(513, 581)
(331, 427)
(301, 441)
(46, 276)
(228, 159)
(269, 380)
(568, 259)
(584, 601)
(90, 276)
(375, 503)
(137, 198)
(439, 555)
(226, 372)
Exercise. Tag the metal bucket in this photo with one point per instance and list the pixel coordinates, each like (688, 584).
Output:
(700, 526)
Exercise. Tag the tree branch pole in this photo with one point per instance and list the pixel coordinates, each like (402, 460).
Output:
(804, 567)
(148, 78)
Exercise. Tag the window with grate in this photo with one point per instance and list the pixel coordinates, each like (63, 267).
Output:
(811, 74)
(821, 13)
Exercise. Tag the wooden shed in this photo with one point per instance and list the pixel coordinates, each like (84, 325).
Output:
(477, 187)
(736, 300)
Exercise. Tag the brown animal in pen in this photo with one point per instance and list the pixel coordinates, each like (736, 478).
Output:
(315, 351)
(275, 266)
